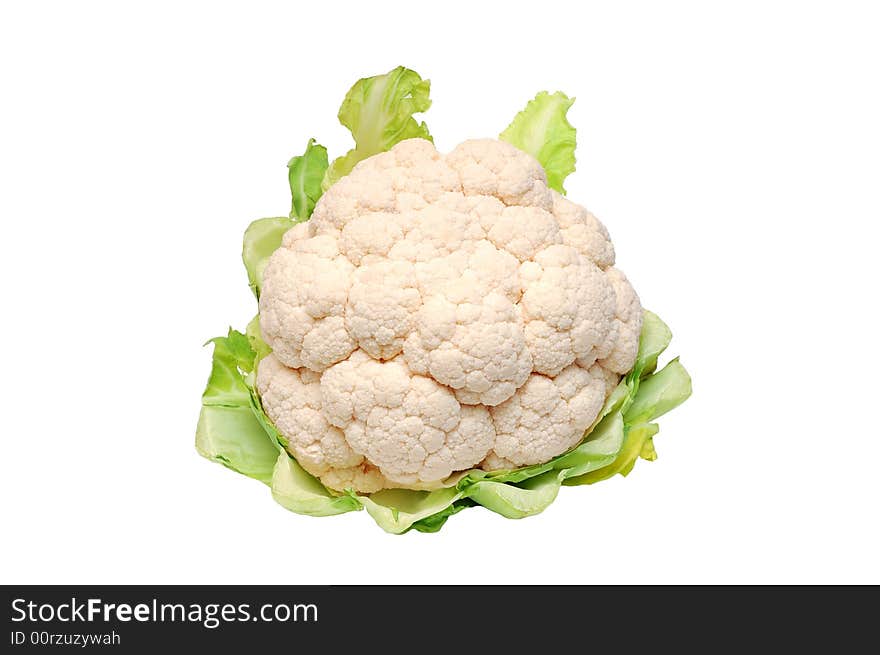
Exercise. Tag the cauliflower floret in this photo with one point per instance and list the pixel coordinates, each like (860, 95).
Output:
(478, 348)
(305, 288)
(370, 234)
(547, 416)
(409, 176)
(568, 305)
(494, 168)
(435, 231)
(470, 274)
(381, 305)
(626, 326)
(610, 380)
(364, 479)
(495, 463)
(583, 231)
(523, 231)
(453, 311)
(408, 425)
(292, 399)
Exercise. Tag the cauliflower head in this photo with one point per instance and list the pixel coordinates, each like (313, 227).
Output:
(440, 313)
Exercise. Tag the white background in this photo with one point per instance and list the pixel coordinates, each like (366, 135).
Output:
(731, 149)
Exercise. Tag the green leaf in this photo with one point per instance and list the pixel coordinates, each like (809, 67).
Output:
(397, 510)
(613, 433)
(600, 448)
(239, 348)
(299, 492)
(653, 340)
(648, 452)
(634, 442)
(436, 521)
(527, 498)
(225, 384)
(659, 393)
(543, 131)
(255, 338)
(305, 173)
(261, 239)
(233, 437)
(618, 398)
(227, 431)
(379, 113)
(655, 395)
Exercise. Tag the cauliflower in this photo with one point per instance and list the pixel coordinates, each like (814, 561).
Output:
(439, 313)
(435, 331)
